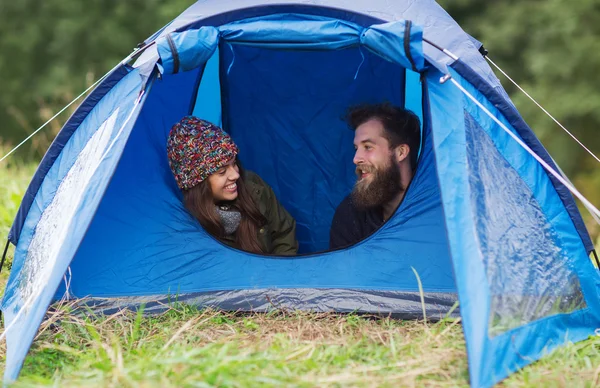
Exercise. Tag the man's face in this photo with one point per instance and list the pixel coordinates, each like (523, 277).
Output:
(372, 150)
(378, 175)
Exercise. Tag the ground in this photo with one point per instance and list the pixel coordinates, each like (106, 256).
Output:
(190, 347)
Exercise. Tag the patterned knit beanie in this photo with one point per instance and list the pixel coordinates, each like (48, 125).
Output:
(197, 149)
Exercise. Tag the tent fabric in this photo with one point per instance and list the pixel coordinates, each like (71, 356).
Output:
(58, 218)
(513, 117)
(522, 271)
(192, 48)
(109, 210)
(305, 150)
(395, 304)
(187, 50)
(168, 252)
(207, 102)
(533, 281)
(58, 144)
(438, 27)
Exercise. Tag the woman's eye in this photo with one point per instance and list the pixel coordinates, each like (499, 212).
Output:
(221, 172)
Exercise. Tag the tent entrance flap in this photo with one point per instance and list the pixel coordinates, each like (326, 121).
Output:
(287, 129)
(285, 110)
(284, 103)
(399, 42)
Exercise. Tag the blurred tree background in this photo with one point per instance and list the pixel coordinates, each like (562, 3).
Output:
(52, 50)
(551, 48)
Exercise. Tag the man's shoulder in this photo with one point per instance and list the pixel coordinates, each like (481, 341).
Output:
(346, 204)
(346, 209)
(345, 225)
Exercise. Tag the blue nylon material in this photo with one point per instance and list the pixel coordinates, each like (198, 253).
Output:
(491, 360)
(57, 145)
(208, 98)
(302, 32)
(387, 41)
(161, 249)
(413, 99)
(438, 26)
(525, 268)
(530, 279)
(208, 106)
(21, 334)
(165, 250)
(497, 97)
(194, 48)
(298, 32)
(304, 150)
(450, 155)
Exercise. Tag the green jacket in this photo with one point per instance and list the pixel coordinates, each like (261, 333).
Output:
(278, 236)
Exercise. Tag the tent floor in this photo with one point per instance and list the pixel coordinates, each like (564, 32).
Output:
(396, 304)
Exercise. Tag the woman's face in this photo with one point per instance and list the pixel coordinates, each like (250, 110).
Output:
(223, 183)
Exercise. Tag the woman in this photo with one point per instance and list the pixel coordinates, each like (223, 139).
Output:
(236, 207)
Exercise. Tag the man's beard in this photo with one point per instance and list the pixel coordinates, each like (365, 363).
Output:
(384, 186)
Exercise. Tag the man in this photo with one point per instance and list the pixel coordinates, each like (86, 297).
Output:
(386, 140)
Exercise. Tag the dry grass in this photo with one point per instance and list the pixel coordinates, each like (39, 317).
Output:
(184, 346)
(189, 347)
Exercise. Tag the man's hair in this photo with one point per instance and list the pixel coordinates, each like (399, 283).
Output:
(401, 125)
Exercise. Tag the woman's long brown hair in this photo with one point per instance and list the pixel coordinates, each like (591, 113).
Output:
(200, 203)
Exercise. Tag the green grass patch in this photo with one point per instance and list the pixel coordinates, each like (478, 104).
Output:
(189, 347)
(14, 179)
(206, 348)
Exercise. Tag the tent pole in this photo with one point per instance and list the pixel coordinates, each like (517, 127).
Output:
(2, 265)
(596, 257)
(447, 52)
(6, 251)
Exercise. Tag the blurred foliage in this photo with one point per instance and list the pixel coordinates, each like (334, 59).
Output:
(50, 51)
(549, 47)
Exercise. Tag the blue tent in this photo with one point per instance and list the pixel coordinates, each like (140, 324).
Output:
(482, 221)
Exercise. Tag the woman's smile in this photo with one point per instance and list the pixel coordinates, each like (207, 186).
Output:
(231, 188)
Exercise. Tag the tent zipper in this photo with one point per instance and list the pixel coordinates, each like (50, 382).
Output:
(407, 28)
(175, 54)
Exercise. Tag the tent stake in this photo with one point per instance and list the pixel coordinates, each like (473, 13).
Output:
(6, 251)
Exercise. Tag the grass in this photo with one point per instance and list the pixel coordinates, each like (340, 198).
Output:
(199, 348)
(190, 347)
(184, 347)
(14, 179)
